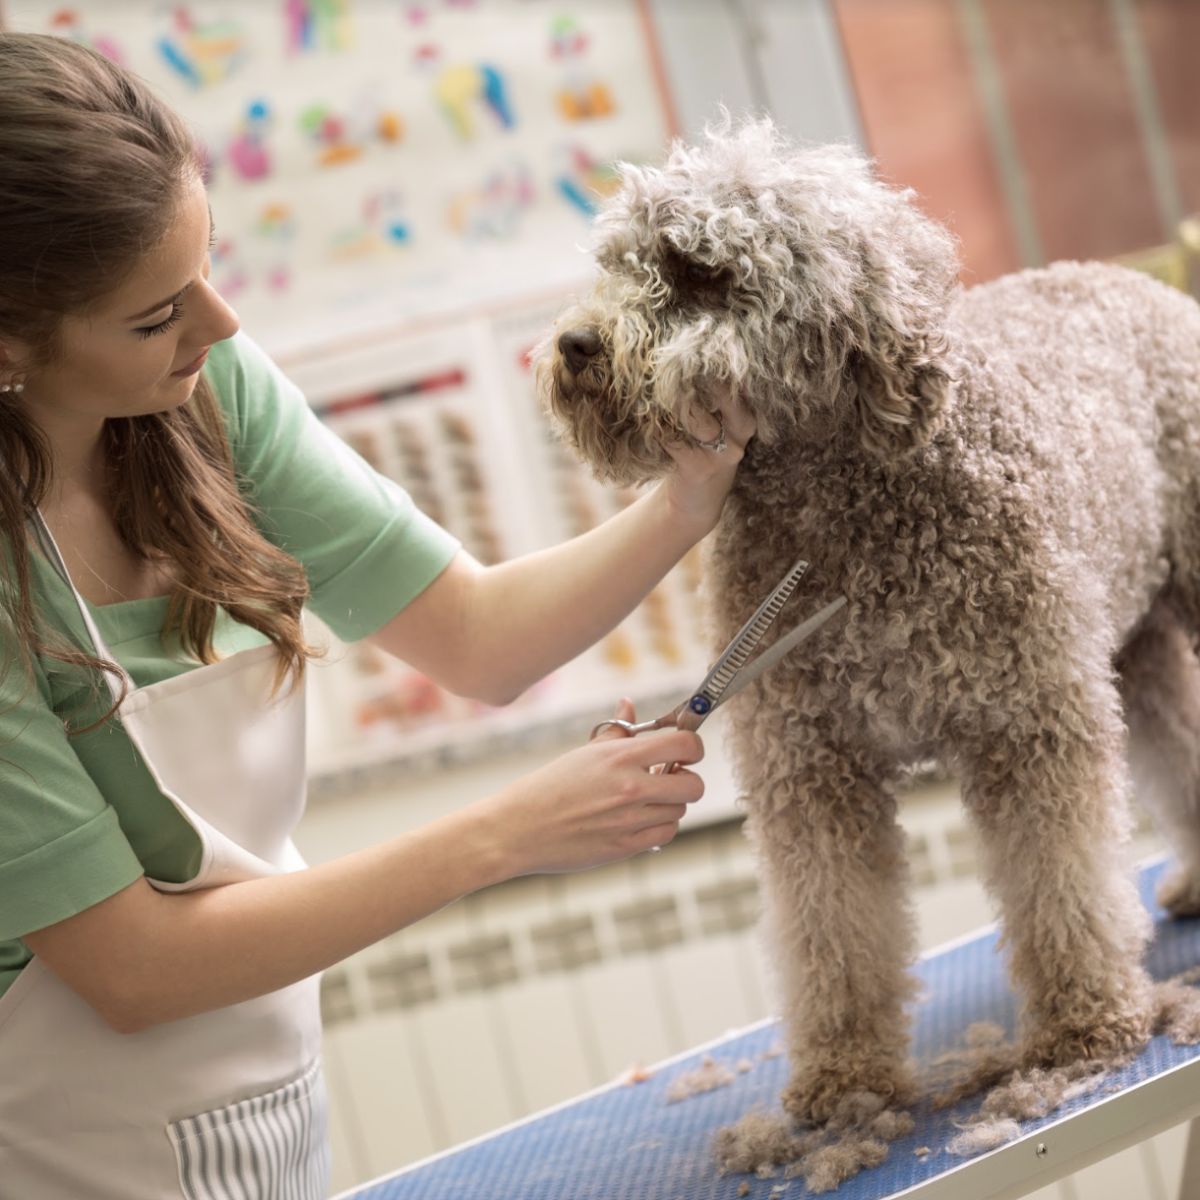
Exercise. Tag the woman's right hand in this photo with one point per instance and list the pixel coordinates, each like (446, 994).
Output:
(596, 804)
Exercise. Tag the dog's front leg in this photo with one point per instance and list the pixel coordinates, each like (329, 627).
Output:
(1049, 797)
(840, 931)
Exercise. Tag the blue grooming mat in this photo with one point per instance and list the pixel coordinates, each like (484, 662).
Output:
(626, 1142)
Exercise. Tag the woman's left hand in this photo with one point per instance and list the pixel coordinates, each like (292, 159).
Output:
(697, 487)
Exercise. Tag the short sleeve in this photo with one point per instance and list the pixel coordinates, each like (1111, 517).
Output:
(366, 548)
(61, 847)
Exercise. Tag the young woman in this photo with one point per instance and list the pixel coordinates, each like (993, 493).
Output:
(169, 506)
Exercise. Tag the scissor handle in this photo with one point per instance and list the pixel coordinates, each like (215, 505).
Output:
(633, 728)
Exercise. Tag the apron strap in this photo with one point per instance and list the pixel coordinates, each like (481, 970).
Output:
(50, 548)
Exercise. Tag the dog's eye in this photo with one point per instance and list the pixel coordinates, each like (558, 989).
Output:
(699, 273)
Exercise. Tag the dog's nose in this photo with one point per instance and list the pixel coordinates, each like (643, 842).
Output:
(578, 346)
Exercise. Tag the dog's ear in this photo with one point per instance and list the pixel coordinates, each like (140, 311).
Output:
(897, 364)
(899, 383)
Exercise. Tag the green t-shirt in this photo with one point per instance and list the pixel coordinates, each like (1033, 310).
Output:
(71, 837)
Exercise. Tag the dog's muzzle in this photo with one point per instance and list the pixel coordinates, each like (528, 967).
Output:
(579, 347)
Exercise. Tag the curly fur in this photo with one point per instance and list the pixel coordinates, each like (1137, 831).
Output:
(1004, 481)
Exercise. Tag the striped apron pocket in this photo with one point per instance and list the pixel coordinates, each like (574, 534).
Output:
(269, 1147)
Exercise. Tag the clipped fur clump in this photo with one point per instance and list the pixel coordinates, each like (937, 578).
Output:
(1040, 1090)
(758, 1143)
(833, 1164)
(1022, 1095)
(856, 1136)
(985, 1058)
(987, 1135)
(1004, 483)
(709, 1075)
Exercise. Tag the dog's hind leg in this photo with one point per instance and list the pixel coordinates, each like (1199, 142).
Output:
(1049, 795)
(839, 924)
(1160, 682)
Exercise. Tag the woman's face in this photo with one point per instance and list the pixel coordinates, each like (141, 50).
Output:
(140, 349)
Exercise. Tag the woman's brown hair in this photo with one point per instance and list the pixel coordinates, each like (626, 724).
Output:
(92, 168)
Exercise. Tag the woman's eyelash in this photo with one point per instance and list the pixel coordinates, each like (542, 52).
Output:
(176, 305)
(162, 327)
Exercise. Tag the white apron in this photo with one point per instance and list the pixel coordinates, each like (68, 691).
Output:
(227, 1105)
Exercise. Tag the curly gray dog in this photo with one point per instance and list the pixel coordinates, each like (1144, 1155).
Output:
(1004, 481)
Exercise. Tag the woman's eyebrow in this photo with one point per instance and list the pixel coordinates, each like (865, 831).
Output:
(171, 299)
(160, 305)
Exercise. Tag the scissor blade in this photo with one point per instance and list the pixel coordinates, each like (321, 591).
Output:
(747, 638)
(786, 644)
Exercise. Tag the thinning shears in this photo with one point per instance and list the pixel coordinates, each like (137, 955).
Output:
(734, 670)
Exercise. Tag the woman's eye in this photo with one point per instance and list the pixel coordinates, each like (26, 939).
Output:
(150, 330)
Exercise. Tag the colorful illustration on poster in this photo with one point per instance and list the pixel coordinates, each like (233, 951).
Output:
(462, 90)
(202, 53)
(581, 180)
(567, 39)
(342, 136)
(494, 209)
(420, 14)
(248, 153)
(580, 100)
(275, 234)
(426, 55)
(262, 259)
(582, 95)
(431, 151)
(384, 225)
(228, 274)
(317, 25)
(66, 22)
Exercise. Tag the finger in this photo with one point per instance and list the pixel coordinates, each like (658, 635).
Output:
(705, 426)
(666, 746)
(681, 450)
(625, 712)
(678, 787)
(656, 835)
(656, 815)
(740, 424)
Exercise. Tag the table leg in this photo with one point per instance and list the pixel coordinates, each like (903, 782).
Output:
(1189, 1183)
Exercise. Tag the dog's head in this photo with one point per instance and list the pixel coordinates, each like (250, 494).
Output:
(790, 274)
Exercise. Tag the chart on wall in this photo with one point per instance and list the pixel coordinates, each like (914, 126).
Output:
(371, 161)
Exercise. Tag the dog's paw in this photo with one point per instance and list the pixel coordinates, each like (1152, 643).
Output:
(1179, 893)
(847, 1096)
(1108, 1041)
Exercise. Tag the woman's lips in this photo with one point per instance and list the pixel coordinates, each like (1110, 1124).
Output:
(194, 365)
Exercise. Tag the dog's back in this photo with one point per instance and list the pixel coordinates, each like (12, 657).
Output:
(1085, 379)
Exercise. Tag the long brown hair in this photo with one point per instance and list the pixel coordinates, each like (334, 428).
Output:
(92, 166)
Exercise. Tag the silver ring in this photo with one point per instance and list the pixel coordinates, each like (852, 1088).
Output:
(717, 444)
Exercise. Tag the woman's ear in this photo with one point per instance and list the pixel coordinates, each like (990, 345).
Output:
(14, 355)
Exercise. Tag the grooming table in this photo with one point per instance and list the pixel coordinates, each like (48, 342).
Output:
(626, 1142)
